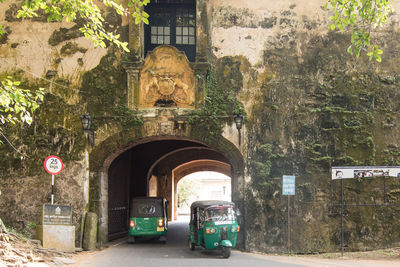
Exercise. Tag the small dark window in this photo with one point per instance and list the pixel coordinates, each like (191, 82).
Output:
(172, 22)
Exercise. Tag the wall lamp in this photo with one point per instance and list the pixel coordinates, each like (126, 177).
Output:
(86, 124)
(238, 118)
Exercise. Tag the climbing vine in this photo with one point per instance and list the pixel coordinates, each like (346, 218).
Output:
(219, 107)
(127, 117)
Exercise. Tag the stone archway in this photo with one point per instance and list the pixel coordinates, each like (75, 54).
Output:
(109, 150)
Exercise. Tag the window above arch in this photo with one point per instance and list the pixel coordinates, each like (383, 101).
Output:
(172, 22)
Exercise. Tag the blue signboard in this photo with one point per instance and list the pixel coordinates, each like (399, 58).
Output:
(288, 185)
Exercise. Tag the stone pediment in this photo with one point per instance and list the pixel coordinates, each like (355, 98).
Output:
(167, 80)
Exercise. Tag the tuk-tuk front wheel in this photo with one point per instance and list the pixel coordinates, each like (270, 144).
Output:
(226, 252)
(191, 245)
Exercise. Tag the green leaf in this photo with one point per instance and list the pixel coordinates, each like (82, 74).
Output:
(358, 16)
(378, 58)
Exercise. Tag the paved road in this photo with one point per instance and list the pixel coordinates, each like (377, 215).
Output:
(175, 253)
(148, 253)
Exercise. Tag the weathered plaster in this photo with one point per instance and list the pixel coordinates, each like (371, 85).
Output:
(250, 39)
(35, 56)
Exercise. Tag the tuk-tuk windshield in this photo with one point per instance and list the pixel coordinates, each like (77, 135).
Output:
(220, 214)
(146, 209)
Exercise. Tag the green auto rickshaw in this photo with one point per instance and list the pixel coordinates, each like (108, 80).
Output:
(213, 225)
(148, 217)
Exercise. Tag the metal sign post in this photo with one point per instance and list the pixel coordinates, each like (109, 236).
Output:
(52, 190)
(53, 165)
(289, 189)
(341, 217)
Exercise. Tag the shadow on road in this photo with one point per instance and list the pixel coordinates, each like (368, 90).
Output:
(176, 246)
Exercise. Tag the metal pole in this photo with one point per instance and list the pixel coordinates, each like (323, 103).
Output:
(52, 189)
(384, 189)
(288, 219)
(341, 216)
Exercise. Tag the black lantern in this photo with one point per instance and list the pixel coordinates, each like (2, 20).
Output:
(86, 124)
(238, 121)
(238, 118)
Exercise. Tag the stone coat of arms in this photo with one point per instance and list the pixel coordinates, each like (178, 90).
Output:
(167, 80)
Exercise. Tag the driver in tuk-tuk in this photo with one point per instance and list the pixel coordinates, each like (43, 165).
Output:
(222, 214)
(219, 214)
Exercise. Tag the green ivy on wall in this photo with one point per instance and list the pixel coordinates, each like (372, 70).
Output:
(219, 108)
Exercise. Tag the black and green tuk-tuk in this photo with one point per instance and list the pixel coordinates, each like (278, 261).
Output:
(148, 217)
(213, 225)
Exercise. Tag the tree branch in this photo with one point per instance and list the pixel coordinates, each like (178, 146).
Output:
(8, 141)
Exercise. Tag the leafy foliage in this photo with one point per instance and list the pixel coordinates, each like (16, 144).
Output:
(187, 190)
(89, 11)
(126, 116)
(17, 104)
(220, 105)
(361, 17)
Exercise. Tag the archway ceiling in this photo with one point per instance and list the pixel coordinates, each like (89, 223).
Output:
(150, 152)
(189, 154)
(201, 165)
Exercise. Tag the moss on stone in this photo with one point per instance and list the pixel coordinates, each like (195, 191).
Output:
(64, 34)
(327, 116)
(71, 48)
(223, 84)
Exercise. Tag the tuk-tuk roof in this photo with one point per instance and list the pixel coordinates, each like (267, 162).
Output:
(152, 199)
(208, 203)
(149, 198)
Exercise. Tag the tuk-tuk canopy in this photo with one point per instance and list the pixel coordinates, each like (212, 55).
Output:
(209, 203)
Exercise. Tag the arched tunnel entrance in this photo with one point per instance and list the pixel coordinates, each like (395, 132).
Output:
(201, 185)
(153, 167)
(200, 165)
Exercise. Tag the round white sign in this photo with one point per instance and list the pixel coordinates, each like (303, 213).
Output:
(53, 165)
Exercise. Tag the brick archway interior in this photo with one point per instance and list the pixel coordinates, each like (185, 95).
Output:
(197, 166)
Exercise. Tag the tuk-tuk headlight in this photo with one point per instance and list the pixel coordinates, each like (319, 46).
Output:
(235, 229)
(210, 230)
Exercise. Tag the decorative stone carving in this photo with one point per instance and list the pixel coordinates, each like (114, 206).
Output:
(150, 128)
(166, 127)
(167, 80)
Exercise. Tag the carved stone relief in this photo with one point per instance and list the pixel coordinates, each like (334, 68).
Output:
(166, 127)
(150, 128)
(167, 80)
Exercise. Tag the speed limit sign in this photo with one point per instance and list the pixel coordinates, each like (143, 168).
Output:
(53, 165)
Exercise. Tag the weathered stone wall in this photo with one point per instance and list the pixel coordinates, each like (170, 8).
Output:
(309, 106)
(23, 197)
(53, 56)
